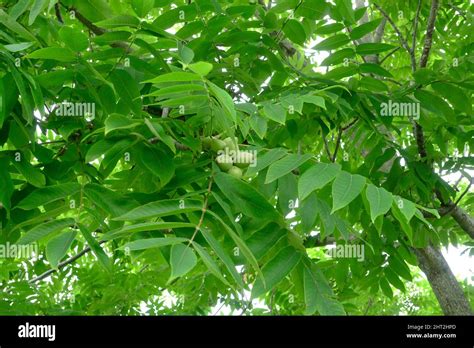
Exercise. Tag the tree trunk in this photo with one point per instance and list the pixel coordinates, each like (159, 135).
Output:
(450, 296)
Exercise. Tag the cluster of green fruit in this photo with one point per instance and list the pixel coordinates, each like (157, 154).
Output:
(229, 158)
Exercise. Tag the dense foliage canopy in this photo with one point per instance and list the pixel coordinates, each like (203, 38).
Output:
(351, 120)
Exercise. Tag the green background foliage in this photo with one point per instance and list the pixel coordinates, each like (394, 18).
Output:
(134, 190)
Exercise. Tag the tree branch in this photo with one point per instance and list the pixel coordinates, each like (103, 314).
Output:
(62, 264)
(415, 28)
(403, 41)
(94, 28)
(338, 144)
(429, 33)
(443, 282)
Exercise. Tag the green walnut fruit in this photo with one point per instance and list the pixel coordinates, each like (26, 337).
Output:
(217, 144)
(244, 159)
(206, 143)
(235, 172)
(231, 144)
(224, 162)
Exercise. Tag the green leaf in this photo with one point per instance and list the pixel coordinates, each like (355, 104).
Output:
(127, 89)
(332, 42)
(318, 294)
(6, 185)
(74, 39)
(312, 9)
(119, 21)
(276, 270)
(177, 90)
(285, 165)
(374, 69)
(393, 279)
(259, 125)
(9, 98)
(209, 262)
(126, 231)
(185, 53)
(406, 207)
(201, 68)
(454, 95)
(108, 200)
(178, 76)
(45, 229)
(142, 7)
(329, 29)
(267, 159)
(15, 27)
(245, 197)
(380, 201)
(345, 188)
(294, 30)
(372, 48)
(98, 149)
(225, 100)
(162, 208)
(316, 177)
(157, 161)
(338, 57)
(314, 99)
(341, 72)
(119, 122)
(142, 244)
(220, 252)
(400, 267)
(32, 174)
(434, 104)
(275, 112)
(48, 194)
(344, 8)
(182, 260)
(58, 246)
(372, 84)
(364, 29)
(386, 289)
(240, 244)
(97, 250)
(53, 53)
(19, 8)
(38, 6)
(21, 46)
(401, 218)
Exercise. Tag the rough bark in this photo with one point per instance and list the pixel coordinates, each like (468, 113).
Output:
(464, 220)
(450, 296)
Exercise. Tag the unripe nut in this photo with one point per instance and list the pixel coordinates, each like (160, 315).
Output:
(217, 145)
(235, 172)
(231, 144)
(243, 159)
(206, 143)
(224, 162)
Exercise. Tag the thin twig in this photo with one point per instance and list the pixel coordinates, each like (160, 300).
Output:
(353, 122)
(389, 54)
(63, 264)
(415, 28)
(338, 144)
(403, 41)
(326, 146)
